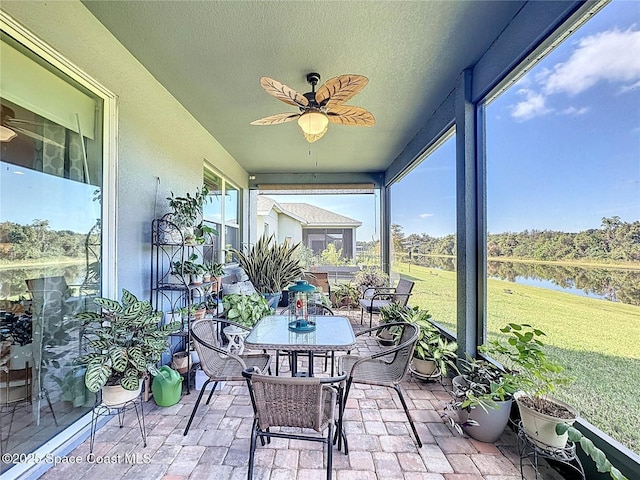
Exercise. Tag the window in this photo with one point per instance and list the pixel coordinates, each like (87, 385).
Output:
(423, 232)
(563, 217)
(223, 212)
(51, 194)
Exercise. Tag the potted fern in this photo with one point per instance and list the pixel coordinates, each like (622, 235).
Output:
(127, 341)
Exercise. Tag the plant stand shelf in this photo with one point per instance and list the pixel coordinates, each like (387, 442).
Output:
(102, 410)
(527, 448)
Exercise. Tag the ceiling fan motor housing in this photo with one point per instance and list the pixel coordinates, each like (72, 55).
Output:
(313, 78)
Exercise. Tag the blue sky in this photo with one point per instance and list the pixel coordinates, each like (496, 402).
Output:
(563, 149)
(21, 182)
(563, 143)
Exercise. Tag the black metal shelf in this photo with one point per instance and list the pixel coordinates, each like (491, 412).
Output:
(168, 248)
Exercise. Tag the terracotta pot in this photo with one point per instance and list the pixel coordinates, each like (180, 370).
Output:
(540, 427)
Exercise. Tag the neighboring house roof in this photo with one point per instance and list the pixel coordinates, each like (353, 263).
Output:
(308, 215)
(266, 204)
(319, 217)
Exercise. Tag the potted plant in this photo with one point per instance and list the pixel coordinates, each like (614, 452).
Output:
(482, 396)
(187, 211)
(537, 378)
(245, 309)
(271, 267)
(434, 354)
(390, 314)
(189, 267)
(216, 271)
(127, 342)
(346, 295)
(370, 277)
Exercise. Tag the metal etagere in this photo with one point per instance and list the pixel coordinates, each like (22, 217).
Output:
(171, 287)
(527, 448)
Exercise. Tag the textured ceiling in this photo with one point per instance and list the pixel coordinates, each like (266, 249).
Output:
(211, 54)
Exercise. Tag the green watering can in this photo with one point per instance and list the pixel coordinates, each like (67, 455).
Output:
(167, 387)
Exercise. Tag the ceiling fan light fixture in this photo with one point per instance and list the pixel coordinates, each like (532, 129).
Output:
(313, 122)
(6, 134)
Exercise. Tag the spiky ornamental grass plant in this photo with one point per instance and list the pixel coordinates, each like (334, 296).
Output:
(270, 267)
(127, 342)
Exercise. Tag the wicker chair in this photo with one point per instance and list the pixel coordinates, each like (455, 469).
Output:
(374, 298)
(218, 364)
(317, 309)
(305, 403)
(386, 368)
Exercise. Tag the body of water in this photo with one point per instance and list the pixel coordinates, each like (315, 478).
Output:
(606, 283)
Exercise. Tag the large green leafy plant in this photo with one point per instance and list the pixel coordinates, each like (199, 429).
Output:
(271, 267)
(188, 209)
(245, 309)
(528, 365)
(431, 345)
(126, 340)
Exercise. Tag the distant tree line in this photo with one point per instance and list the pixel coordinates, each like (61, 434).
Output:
(615, 241)
(38, 241)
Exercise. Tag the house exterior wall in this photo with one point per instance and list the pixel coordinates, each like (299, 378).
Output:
(289, 228)
(272, 221)
(150, 163)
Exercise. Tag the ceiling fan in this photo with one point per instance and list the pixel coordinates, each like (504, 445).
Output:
(11, 126)
(318, 109)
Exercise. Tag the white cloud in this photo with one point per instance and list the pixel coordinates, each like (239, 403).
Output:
(606, 56)
(532, 106)
(574, 111)
(425, 215)
(628, 88)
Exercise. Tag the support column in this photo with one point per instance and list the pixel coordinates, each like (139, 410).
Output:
(385, 228)
(467, 218)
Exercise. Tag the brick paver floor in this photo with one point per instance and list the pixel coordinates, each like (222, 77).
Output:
(380, 444)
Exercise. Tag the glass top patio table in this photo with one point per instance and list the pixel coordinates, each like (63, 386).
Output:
(332, 333)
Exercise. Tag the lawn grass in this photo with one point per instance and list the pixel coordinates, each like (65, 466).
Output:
(597, 341)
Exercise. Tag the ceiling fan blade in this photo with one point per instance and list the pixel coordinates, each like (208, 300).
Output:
(283, 93)
(18, 121)
(338, 90)
(347, 115)
(312, 138)
(36, 136)
(275, 119)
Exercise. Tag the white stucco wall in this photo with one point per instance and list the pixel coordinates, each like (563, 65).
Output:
(272, 221)
(160, 146)
(289, 227)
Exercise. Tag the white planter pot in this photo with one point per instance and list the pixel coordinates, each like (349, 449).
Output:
(424, 367)
(491, 423)
(541, 428)
(170, 317)
(196, 279)
(20, 355)
(116, 396)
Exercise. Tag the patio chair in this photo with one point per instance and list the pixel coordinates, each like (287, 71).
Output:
(295, 402)
(374, 298)
(317, 309)
(218, 364)
(385, 368)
